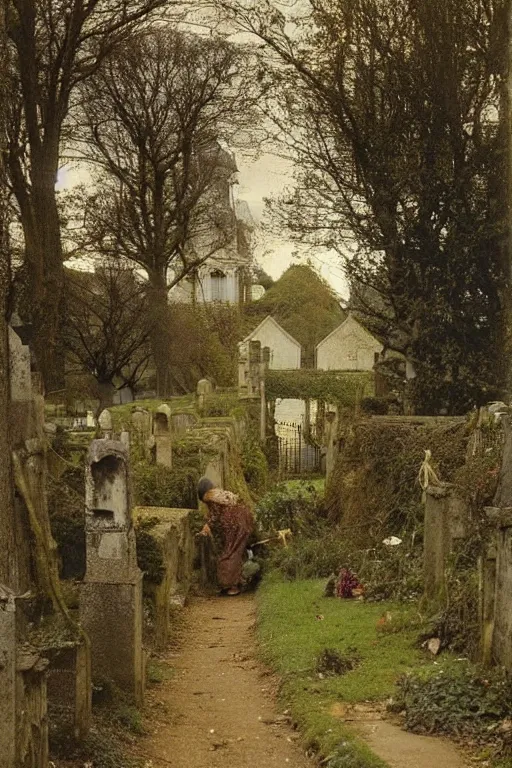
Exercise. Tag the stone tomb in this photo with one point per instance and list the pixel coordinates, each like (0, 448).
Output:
(162, 435)
(111, 594)
(173, 542)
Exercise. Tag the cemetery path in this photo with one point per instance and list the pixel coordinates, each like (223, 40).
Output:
(217, 709)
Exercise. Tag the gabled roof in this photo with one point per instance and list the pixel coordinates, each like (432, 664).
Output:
(351, 317)
(270, 319)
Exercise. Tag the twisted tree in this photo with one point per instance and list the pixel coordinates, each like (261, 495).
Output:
(156, 114)
(55, 45)
(391, 110)
(107, 327)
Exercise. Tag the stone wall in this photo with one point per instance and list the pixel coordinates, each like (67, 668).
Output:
(171, 532)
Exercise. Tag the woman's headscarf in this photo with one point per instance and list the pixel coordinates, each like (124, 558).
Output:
(204, 485)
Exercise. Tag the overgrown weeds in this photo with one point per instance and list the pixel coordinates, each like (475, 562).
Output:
(374, 490)
(298, 507)
(462, 701)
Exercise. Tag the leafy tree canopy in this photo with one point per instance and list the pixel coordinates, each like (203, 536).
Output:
(303, 303)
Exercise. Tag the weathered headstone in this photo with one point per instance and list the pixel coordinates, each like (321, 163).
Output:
(105, 423)
(141, 429)
(90, 420)
(204, 388)
(19, 364)
(162, 434)
(111, 595)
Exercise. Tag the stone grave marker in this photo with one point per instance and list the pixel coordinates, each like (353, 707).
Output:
(162, 435)
(111, 595)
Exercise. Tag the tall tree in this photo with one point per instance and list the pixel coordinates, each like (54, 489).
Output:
(155, 113)
(390, 108)
(55, 46)
(107, 327)
(7, 527)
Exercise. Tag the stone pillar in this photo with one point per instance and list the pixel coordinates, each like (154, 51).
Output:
(162, 434)
(243, 369)
(204, 388)
(254, 368)
(437, 543)
(111, 594)
(331, 434)
(105, 423)
(496, 602)
(487, 598)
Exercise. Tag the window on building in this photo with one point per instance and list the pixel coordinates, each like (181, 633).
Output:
(219, 284)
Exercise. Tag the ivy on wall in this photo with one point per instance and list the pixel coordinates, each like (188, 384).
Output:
(342, 387)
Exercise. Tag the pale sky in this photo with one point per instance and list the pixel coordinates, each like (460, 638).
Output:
(265, 177)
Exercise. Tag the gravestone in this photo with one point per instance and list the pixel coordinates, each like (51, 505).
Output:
(142, 429)
(162, 435)
(105, 423)
(19, 369)
(111, 594)
(204, 388)
(90, 420)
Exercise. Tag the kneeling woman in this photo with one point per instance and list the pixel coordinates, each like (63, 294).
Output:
(232, 522)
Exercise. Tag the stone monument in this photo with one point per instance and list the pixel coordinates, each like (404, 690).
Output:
(204, 388)
(162, 435)
(111, 594)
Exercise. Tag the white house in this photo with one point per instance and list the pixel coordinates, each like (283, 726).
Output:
(225, 275)
(285, 351)
(350, 347)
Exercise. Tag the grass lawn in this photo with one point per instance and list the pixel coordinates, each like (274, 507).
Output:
(318, 484)
(292, 635)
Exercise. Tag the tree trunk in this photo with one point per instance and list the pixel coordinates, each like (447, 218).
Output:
(159, 307)
(106, 391)
(44, 252)
(8, 560)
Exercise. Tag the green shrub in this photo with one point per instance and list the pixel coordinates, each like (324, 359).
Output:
(254, 465)
(298, 507)
(66, 509)
(375, 405)
(157, 486)
(218, 405)
(149, 555)
(309, 558)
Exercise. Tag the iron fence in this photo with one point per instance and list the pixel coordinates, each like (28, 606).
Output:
(298, 452)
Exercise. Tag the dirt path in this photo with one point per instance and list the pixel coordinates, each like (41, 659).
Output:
(218, 709)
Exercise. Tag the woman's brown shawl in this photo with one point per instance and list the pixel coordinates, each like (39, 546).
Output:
(233, 523)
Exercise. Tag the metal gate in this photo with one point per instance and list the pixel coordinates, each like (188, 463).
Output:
(298, 453)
